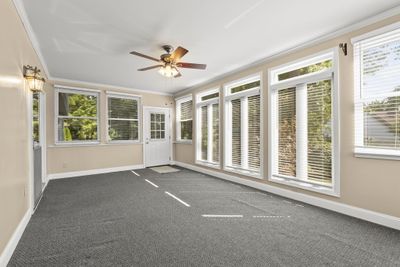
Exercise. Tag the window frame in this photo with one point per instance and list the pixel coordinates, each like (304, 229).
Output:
(208, 103)
(360, 150)
(273, 88)
(227, 97)
(123, 96)
(178, 102)
(73, 90)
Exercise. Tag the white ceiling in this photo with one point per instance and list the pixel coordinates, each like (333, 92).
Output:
(90, 40)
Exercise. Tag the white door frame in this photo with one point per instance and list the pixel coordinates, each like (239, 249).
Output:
(145, 108)
(43, 142)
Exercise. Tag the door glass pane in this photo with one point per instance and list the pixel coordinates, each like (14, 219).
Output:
(319, 131)
(287, 132)
(236, 133)
(35, 118)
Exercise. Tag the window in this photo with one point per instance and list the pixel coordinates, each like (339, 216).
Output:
(157, 124)
(377, 93)
(184, 110)
(207, 109)
(77, 116)
(36, 117)
(303, 124)
(123, 118)
(243, 126)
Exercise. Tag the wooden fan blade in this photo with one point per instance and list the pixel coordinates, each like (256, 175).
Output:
(178, 53)
(142, 55)
(151, 67)
(191, 65)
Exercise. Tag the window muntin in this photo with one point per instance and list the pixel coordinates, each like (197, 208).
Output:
(302, 116)
(207, 109)
(242, 126)
(157, 126)
(77, 116)
(184, 119)
(123, 118)
(377, 95)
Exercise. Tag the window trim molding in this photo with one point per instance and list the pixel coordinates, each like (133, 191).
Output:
(178, 102)
(75, 90)
(228, 96)
(139, 119)
(198, 105)
(334, 190)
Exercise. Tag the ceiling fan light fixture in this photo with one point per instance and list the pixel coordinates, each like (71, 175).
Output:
(168, 71)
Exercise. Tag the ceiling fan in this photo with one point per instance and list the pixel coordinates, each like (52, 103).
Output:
(169, 63)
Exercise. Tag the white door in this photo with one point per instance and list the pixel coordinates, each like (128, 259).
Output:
(157, 136)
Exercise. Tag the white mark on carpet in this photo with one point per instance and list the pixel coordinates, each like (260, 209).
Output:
(178, 199)
(153, 184)
(270, 216)
(135, 173)
(221, 216)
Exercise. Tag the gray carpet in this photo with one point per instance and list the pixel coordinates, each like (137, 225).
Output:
(120, 219)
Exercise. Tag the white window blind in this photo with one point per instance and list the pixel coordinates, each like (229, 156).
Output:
(208, 127)
(77, 116)
(123, 118)
(377, 95)
(184, 118)
(243, 130)
(302, 118)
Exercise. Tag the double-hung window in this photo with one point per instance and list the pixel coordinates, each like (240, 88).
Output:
(303, 124)
(123, 118)
(77, 118)
(184, 119)
(242, 147)
(377, 93)
(207, 129)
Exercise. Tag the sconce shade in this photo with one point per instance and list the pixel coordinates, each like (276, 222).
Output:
(34, 80)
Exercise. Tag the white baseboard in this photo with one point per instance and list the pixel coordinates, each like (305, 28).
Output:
(367, 215)
(92, 172)
(13, 242)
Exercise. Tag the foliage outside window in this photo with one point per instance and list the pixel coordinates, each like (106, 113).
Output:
(77, 116)
(123, 121)
(184, 119)
(36, 117)
(302, 139)
(377, 95)
(243, 126)
(207, 108)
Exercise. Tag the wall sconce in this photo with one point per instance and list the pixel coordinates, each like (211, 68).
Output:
(32, 76)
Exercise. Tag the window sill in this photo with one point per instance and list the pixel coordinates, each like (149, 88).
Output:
(185, 142)
(377, 153)
(305, 185)
(73, 144)
(122, 142)
(243, 172)
(63, 145)
(207, 164)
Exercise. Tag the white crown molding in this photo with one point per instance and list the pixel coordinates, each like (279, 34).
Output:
(353, 27)
(55, 80)
(16, 236)
(63, 175)
(364, 214)
(19, 6)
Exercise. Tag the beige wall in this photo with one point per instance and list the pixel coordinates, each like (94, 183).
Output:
(15, 51)
(366, 183)
(70, 158)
